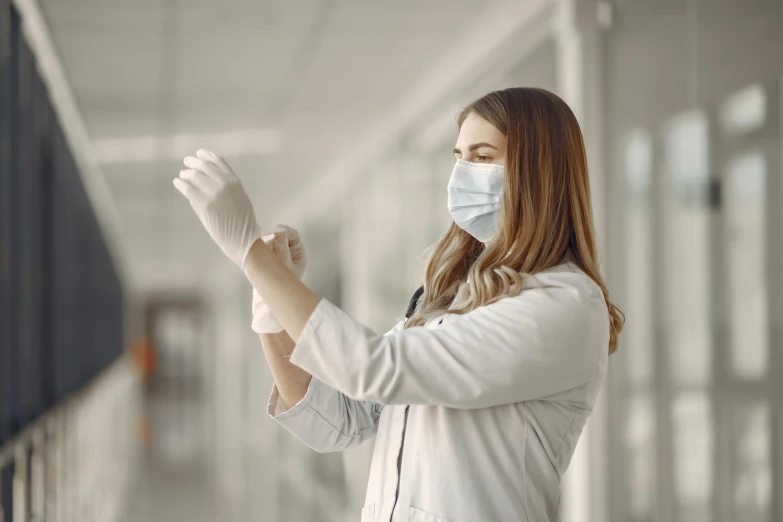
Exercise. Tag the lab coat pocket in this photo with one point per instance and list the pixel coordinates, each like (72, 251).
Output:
(368, 513)
(417, 515)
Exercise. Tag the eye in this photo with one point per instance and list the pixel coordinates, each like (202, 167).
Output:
(483, 158)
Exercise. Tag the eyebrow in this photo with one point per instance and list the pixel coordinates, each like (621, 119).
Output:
(476, 146)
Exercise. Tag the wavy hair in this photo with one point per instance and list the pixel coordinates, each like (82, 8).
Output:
(545, 215)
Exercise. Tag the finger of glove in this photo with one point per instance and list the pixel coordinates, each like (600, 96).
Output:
(283, 233)
(208, 168)
(298, 254)
(199, 180)
(281, 247)
(189, 191)
(210, 156)
(297, 249)
(278, 230)
(277, 233)
(280, 241)
(218, 165)
(295, 243)
(291, 233)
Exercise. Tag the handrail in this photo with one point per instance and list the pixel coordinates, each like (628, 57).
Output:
(44, 422)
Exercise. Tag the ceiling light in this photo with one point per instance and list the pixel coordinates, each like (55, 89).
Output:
(136, 149)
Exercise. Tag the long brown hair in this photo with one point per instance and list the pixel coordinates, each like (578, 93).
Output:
(545, 215)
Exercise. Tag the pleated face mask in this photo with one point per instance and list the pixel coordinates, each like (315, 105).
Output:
(475, 191)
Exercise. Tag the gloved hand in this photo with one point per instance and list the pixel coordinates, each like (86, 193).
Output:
(287, 244)
(296, 257)
(220, 202)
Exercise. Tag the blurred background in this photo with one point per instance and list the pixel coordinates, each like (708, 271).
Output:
(131, 385)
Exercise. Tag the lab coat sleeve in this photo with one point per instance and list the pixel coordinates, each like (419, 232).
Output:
(539, 343)
(325, 419)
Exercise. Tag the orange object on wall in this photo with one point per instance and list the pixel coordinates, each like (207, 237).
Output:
(143, 355)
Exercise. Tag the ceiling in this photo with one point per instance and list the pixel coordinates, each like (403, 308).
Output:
(311, 73)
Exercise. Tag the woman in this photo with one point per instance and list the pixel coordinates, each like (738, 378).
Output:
(478, 399)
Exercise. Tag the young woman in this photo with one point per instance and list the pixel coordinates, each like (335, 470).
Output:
(477, 399)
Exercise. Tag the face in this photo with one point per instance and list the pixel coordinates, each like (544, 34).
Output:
(480, 142)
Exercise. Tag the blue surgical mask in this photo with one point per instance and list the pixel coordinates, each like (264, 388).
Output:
(475, 191)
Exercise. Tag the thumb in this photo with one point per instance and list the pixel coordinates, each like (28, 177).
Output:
(280, 240)
(280, 247)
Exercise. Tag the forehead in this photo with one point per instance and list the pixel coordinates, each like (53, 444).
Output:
(476, 129)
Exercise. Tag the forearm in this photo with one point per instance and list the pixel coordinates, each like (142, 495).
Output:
(292, 303)
(287, 297)
(292, 381)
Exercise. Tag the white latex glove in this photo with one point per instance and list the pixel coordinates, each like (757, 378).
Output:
(220, 202)
(287, 244)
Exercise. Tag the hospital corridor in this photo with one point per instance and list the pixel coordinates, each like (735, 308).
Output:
(143, 373)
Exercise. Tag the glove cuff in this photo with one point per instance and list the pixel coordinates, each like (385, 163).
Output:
(264, 321)
(266, 325)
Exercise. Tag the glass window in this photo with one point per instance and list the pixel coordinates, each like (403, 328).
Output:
(639, 258)
(640, 439)
(692, 430)
(750, 462)
(687, 215)
(744, 111)
(696, 87)
(745, 255)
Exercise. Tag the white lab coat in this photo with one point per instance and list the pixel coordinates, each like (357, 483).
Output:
(490, 404)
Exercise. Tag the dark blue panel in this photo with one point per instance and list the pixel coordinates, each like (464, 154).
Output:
(61, 303)
(8, 33)
(15, 36)
(85, 272)
(5, 220)
(63, 285)
(42, 117)
(93, 287)
(7, 476)
(30, 235)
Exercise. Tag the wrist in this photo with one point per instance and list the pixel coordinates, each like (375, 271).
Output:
(257, 255)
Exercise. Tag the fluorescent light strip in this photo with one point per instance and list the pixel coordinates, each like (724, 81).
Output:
(144, 149)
